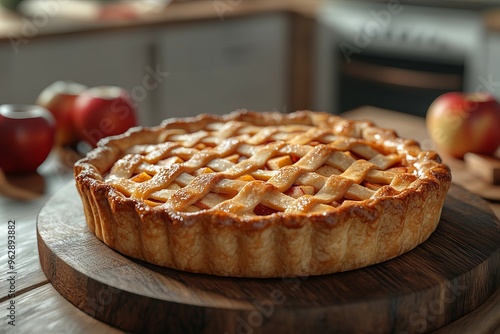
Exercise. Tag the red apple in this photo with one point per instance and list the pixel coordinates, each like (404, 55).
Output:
(103, 111)
(27, 135)
(59, 99)
(465, 122)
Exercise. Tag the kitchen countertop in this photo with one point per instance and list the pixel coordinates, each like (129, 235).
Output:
(15, 26)
(40, 308)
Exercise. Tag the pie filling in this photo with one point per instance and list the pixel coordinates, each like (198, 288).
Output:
(268, 168)
(250, 170)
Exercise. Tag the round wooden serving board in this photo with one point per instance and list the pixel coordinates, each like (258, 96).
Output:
(449, 275)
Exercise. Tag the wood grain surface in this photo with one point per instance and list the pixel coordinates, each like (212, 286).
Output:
(43, 310)
(445, 278)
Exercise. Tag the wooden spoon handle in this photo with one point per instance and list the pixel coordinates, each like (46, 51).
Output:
(9, 190)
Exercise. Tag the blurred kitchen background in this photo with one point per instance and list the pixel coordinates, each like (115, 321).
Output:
(181, 58)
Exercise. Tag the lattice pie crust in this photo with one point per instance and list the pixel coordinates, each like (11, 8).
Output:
(262, 194)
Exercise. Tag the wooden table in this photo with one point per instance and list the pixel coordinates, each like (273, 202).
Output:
(40, 309)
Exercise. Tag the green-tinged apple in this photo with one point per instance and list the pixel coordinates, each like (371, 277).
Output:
(103, 111)
(59, 98)
(27, 136)
(465, 122)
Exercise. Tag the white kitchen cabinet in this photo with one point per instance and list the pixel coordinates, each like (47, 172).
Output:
(213, 66)
(220, 66)
(94, 59)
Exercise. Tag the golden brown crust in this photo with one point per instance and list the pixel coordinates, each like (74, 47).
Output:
(352, 235)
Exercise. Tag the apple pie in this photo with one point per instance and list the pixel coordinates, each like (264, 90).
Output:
(262, 194)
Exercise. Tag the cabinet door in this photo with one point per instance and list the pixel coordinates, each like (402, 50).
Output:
(93, 59)
(220, 66)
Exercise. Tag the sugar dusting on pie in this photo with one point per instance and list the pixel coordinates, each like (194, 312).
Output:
(262, 194)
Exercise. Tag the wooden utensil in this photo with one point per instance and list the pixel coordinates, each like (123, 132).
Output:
(15, 192)
(484, 166)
